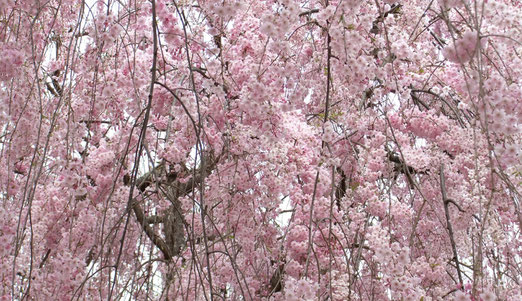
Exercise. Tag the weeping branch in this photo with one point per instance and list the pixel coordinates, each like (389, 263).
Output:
(446, 202)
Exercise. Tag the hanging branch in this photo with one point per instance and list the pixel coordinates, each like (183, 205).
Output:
(446, 202)
(140, 146)
(323, 144)
(199, 150)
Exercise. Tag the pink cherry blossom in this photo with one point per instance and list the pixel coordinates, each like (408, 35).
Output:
(260, 150)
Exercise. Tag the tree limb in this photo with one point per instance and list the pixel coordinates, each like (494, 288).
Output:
(154, 237)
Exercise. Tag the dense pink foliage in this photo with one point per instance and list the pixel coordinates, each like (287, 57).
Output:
(260, 150)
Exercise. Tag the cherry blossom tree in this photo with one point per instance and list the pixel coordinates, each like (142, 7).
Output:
(260, 150)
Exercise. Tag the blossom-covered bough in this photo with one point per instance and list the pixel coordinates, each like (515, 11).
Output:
(260, 150)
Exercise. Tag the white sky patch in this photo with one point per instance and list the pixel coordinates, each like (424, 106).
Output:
(283, 219)
(394, 100)
(308, 97)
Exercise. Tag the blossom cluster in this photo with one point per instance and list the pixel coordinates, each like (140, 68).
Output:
(464, 48)
(10, 61)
